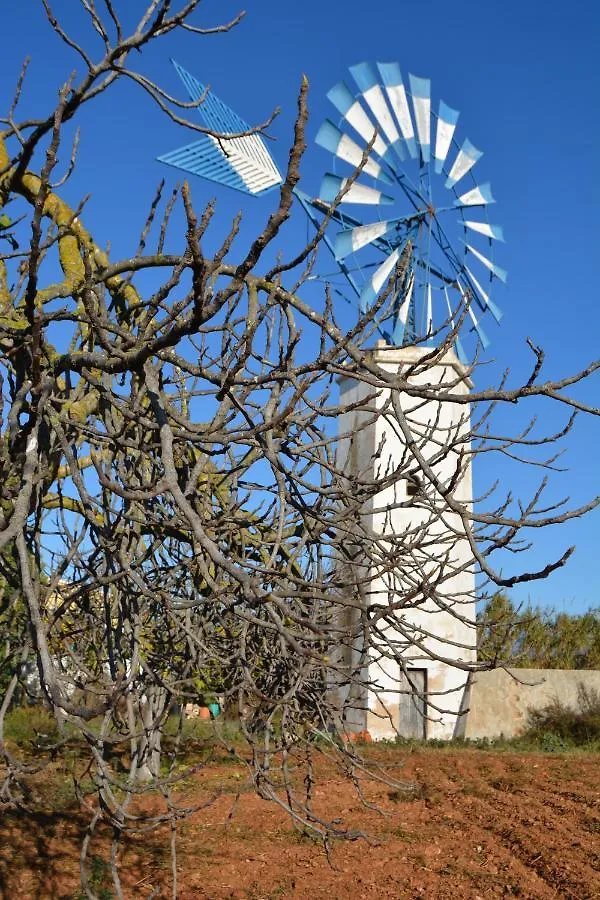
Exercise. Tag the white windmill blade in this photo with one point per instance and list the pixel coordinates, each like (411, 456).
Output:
(420, 89)
(370, 291)
(371, 92)
(464, 162)
(357, 193)
(341, 145)
(494, 232)
(429, 322)
(354, 239)
(396, 93)
(495, 270)
(495, 310)
(402, 312)
(476, 324)
(351, 110)
(459, 347)
(446, 125)
(480, 195)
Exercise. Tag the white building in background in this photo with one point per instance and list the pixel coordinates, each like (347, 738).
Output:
(421, 692)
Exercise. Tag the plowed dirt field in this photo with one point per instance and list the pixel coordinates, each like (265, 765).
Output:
(482, 824)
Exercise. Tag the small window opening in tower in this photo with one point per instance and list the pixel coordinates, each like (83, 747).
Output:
(413, 486)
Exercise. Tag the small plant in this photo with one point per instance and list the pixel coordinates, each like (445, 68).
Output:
(98, 879)
(407, 794)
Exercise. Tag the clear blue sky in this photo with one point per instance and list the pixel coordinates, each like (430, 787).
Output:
(526, 79)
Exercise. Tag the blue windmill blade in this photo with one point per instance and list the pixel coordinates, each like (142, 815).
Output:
(354, 239)
(464, 162)
(396, 94)
(402, 311)
(495, 270)
(480, 195)
(462, 356)
(357, 193)
(488, 302)
(243, 163)
(485, 343)
(343, 147)
(373, 96)
(420, 89)
(370, 291)
(429, 312)
(353, 113)
(446, 125)
(493, 232)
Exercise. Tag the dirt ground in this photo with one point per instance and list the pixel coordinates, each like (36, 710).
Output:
(483, 824)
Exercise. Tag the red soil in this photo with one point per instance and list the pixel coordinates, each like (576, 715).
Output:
(483, 825)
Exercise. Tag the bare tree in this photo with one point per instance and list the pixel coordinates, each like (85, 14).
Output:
(180, 500)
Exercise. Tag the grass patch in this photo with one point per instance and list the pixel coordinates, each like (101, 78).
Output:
(409, 837)
(406, 795)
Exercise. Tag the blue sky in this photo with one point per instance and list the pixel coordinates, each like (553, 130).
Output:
(524, 76)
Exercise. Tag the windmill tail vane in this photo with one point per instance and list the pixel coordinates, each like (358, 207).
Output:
(416, 198)
(242, 163)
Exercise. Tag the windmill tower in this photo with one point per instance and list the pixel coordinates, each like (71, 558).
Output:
(418, 680)
(412, 228)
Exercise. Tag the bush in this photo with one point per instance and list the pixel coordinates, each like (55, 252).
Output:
(558, 726)
(31, 727)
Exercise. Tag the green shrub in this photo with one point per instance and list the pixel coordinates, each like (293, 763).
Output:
(31, 727)
(558, 726)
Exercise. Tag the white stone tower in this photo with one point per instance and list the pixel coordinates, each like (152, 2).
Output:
(431, 631)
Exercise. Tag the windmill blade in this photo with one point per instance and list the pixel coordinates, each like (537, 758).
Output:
(476, 324)
(370, 291)
(495, 310)
(446, 125)
(341, 145)
(420, 89)
(354, 239)
(429, 312)
(371, 92)
(402, 312)
(494, 232)
(495, 270)
(480, 195)
(351, 110)
(462, 356)
(357, 193)
(396, 93)
(466, 159)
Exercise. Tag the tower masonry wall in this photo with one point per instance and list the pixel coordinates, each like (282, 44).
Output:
(434, 633)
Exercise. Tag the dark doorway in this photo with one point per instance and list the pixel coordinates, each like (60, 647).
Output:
(413, 704)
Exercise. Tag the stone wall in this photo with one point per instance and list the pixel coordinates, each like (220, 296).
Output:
(498, 701)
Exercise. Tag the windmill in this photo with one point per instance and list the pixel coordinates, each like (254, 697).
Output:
(417, 188)
(416, 200)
